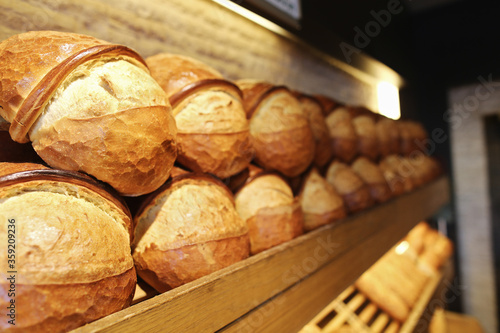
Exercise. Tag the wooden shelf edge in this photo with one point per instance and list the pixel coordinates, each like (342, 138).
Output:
(232, 294)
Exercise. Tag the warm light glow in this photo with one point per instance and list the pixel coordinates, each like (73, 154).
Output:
(253, 17)
(402, 247)
(388, 100)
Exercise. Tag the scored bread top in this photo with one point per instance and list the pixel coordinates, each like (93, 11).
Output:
(65, 231)
(190, 209)
(33, 64)
(265, 190)
(97, 88)
(174, 72)
(216, 109)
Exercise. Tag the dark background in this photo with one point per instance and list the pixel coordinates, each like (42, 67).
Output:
(434, 45)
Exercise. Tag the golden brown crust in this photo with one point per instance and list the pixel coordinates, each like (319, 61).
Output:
(281, 135)
(373, 176)
(54, 71)
(323, 149)
(253, 93)
(221, 154)
(342, 134)
(289, 152)
(379, 293)
(272, 226)
(151, 129)
(313, 221)
(63, 307)
(8, 168)
(174, 72)
(399, 171)
(350, 186)
(165, 270)
(364, 126)
(320, 201)
(51, 46)
(328, 104)
(16, 178)
(51, 73)
(387, 136)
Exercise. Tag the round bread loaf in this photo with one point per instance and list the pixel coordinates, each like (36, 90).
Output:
(373, 176)
(320, 202)
(213, 132)
(328, 104)
(273, 215)
(364, 125)
(67, 258)
(323, 149)
(187, 229)
(280, 131)
(88, 105)
(350, 186)
(387, 136)
(342, 134)
(398, 171)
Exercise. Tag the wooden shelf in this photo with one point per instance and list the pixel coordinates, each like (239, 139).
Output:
(354, 310)
(283, 288)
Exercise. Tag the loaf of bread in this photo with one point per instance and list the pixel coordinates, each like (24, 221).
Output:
(398, 172)
(72, 259)
(88, 105)
(373, 176)
(213, 132)
(187, 229)
(320, 202)
(281, 135)
(388, 136)
(323, 149)
(368, 145)
(342, 134)
(273, 215)
(350, 186)
(375, 288)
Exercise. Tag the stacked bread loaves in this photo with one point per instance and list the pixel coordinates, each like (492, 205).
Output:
(88, 105)
(72, 261)
(213, 132)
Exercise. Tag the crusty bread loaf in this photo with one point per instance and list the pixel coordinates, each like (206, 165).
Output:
(89, 106)
(388, 136)
(274, 216)
(350, 186)
(368, 145)
(213, 132)
(373, 176)
(397, 171)
(320, 202)
(342, 134)
(280, 131)
(187, 229)
(73, 258)
(323, 148)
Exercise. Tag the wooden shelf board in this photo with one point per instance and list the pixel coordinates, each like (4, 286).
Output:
(309, 271)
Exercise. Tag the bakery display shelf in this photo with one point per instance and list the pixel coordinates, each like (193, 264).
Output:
(352, 311)
(283, 288)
